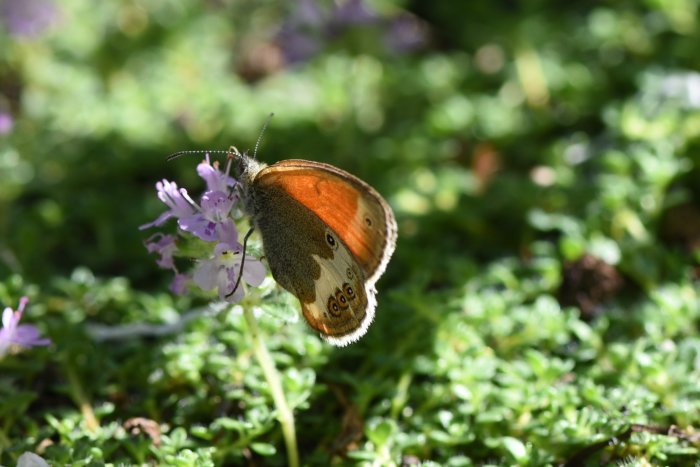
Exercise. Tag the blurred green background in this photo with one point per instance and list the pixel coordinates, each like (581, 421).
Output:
(542, 162)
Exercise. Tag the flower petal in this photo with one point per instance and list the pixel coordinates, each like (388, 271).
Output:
(215, 179)
(165, 246)
(162, 218)
(228, 235)
(7, 316)
(254, 272)
(216, 205)
(206, 274)
(199, 226)
(227, 282)
(177, 286)
(27, 335)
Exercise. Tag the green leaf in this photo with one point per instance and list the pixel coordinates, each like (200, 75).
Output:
(264, 449)
(515, 448)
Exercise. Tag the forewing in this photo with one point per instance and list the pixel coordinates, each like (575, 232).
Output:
(348, 206)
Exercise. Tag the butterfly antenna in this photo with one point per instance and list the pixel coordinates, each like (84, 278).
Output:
(231, 152)
(262, 132)
(240, 271)
(175, 155)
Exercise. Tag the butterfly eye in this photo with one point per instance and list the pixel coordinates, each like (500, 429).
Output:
(331, 241)
(348, 291)
(341, 299)
(368, 222)
(333, 307)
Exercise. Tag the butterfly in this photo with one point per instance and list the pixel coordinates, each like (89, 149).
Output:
(327, 236)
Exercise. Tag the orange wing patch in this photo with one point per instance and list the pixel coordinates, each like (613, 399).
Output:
(356, 217)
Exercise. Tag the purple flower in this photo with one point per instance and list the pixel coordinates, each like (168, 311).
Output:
(222, 271)
(177, 199)
(212, 220)
(27, 18)
(177, 286)
(215, 211)
(228, 234)
(6, 122)
(216, 179)
(13, 333)
(164, 245)
(200, 220)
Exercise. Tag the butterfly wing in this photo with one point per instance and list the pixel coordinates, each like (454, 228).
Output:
(327, 237)
(349, 206)
(343, 308)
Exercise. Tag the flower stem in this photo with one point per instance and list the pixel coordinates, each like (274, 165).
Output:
(272, 376)
(79, 397)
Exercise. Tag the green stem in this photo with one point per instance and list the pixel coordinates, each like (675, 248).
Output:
(272, 376)
(79, 397)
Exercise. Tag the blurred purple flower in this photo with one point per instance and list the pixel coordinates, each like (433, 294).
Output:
(299, 36)
(307, 13)
(352, 13)
(177, 286)
(297, 46)
(304, 33)
(13, 333)
(307, 30)
(405, 34)
(6, 122)
(165, 246)
(27, 18)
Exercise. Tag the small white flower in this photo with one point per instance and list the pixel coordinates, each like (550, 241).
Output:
(221, 272)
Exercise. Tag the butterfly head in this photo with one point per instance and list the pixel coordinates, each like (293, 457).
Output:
(245, 167)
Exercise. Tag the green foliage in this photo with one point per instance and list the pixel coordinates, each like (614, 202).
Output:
(518, 138)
